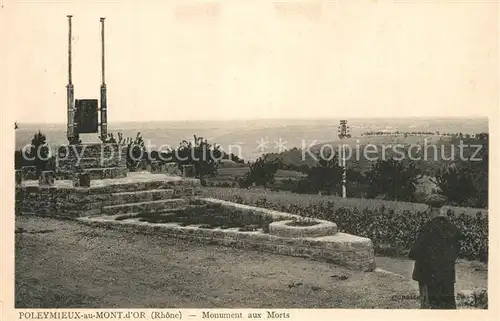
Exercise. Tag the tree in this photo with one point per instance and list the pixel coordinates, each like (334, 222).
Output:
(456, 184)
(326, 176)
(262, 172)
(40, 152)
(393, 179)
(465, 181)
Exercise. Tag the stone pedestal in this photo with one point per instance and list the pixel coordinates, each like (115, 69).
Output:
(171, 168)
(81, 180)
(29, 173)
(100, 161)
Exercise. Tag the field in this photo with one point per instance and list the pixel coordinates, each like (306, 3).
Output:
(63, 264)
(229, 175)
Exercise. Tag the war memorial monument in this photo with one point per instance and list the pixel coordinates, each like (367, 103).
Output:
(92, 185)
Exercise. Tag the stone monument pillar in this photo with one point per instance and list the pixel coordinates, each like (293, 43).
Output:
(70, 92)
(79, 161)
(104, 106)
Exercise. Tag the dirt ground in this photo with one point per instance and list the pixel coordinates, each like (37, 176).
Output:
(63, 264)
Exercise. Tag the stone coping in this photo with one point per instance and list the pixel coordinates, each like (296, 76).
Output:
(343, 249)
(132, 178)
(283, 228)
(252, 209)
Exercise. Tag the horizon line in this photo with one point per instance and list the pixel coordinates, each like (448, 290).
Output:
(275, 118)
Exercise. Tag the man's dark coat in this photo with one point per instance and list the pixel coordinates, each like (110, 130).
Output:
(435, 252)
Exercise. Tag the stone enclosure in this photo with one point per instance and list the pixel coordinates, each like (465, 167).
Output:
(105, 194)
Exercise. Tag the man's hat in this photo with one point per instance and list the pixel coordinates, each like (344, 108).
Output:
(435, 200)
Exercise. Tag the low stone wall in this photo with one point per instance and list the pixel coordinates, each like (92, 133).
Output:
(72, 202)
(252, 210)
(342, 249)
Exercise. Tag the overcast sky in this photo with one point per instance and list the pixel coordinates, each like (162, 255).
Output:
(255, 59)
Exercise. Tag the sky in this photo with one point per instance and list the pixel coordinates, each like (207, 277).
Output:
(183, 60)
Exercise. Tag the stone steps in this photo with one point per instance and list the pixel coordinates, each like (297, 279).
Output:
(148, 206)
(139, 196)
(167, 212)
(97, 173)
(92, 162)
(181, 187)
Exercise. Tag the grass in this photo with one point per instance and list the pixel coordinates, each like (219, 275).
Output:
(78, 266)
(232, 173)
(288, 198)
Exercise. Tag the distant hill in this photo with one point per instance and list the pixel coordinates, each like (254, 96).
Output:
(243, 138)
(367, 150)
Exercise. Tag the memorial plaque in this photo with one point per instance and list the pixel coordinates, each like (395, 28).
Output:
(86, 116)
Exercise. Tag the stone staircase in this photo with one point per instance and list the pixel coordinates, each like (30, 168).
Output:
(136, 193)
(140, 196)
(147, 206)
(146, 199)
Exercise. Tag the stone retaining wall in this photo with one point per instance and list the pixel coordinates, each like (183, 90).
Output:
(72, 202)
(343, 249)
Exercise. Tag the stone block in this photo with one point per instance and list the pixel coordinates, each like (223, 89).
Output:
(81, 180)
(19, 177)
(47, 178)
(29, 173)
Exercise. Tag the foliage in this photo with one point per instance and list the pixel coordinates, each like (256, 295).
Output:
(199, 153)
(262, 173)
(133, 148)
(37, 154)
(465, 181)
(233, 158)
(394, 179)
(387, 224)
(326, 176)
(456, 184)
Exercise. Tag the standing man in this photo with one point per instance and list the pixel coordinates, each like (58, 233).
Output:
(435, 253)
